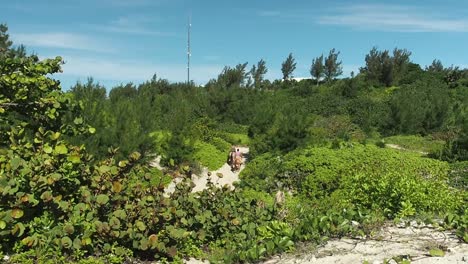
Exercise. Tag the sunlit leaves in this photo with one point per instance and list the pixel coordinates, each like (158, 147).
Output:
(66, 242)
(17, 213)
(102, 199)
(116, 187)
(61, 149)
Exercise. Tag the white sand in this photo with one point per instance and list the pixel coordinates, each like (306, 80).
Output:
(412, 243)
(220, 177)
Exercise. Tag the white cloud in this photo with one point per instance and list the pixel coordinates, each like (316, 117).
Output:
(133, 24)
(135, 71)
(394, 18)
(60, 40)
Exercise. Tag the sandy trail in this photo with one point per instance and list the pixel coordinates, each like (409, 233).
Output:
(395, 146)
(220, 177)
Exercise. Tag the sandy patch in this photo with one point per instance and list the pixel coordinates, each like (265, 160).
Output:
(391, 243)
(220, 177)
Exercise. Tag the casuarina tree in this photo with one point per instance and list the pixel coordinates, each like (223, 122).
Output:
(258, 72)
(288, 67)
(317, 69)
(333, 67)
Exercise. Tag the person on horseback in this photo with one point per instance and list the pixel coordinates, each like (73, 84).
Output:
(237, 159)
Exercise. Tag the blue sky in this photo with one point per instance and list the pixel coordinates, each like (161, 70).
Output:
(118, 41)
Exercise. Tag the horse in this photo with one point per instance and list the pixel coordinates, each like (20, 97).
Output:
(237, 163)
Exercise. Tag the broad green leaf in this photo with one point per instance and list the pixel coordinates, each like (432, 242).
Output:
(76, 243)
(153, 240)
(15, 162)
(55, 135)
(17, 213)
(120, 214)
(2, 224)
(78, 121)
(46, 196)
(28, 241)
(104, 169)
(114, 170)
(47, 149)
(144, 244)
(116, 187)
(74, 158)
(92, 130)
(140, 225)
(114, 222)
(66, 242)
(69, 229)
(135, 156)
(61, 149)
(102, 199)
(18, 230)
(86, 241)
(123, 163)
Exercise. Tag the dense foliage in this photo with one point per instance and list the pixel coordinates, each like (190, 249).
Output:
(75, 184)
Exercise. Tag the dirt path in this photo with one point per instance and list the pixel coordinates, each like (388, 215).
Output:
(395, 146)
(220, 177)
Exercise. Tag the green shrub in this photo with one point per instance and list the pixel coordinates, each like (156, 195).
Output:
(398, 183)
(260, 173)
(161, 140)
(458, 176)
(235, 139)
(232, 128)
(376, 178)
(220, 144)
(209, 156)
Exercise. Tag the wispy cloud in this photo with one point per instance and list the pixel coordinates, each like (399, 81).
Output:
(60, 40)
(394, 18)
(138, 25)
(135, 71)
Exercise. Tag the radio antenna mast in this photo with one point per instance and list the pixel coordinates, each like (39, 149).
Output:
(188, 49)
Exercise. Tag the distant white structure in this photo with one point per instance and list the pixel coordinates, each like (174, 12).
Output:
(298, 79)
